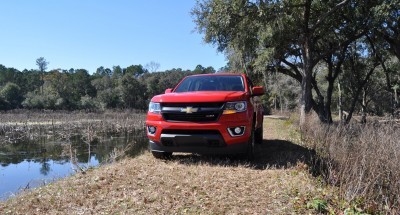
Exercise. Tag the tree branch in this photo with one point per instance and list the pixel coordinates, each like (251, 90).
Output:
(293, 67)
(288, 72)
(326, 15)
(394, 45)
(381, 61)
(344, 44)
(315, 87)
(307, 12)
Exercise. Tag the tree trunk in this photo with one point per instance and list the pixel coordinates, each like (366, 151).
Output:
(363, 108)
(306, 99)
(331, 81)
(306, 87)
(42, 82)
(340, 102)
(352, 107)
(396, 103)
(328, 112)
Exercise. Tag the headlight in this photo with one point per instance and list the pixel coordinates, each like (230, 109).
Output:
(154, 107)
(235, 107)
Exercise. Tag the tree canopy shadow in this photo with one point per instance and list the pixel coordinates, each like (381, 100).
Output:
(269, 154)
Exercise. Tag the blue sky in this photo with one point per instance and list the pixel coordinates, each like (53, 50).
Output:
(88, 34)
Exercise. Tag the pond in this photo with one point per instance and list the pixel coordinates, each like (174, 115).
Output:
(27, 164)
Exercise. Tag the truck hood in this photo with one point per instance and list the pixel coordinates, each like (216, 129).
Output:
(200, 96)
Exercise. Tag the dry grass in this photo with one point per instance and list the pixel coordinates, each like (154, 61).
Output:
(362, 161)
(277, 182)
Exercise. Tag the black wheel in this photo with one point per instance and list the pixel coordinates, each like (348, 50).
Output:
(259, 135)
(251, 146)
(162, 155)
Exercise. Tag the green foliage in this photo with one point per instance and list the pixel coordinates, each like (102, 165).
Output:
(117, 72)
(386, 24)
(135, 70)
(354, 211)
(109, 98)
(41, 101)
(9, 75)
(283, 92)
(30, 81)
(133, 93)
(88, 103)
(101, 72)
(42, 64)
(3, 104)
(107, 92)
(158, 82)
(319, 205)
(202, 70)
(11, 95)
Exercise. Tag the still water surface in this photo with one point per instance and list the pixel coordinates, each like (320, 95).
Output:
(30, 164)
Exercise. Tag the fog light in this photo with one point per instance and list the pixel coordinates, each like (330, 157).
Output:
(151, 129)
(236, 131)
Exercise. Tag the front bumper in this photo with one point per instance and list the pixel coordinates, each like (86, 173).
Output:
(203, 138)
(201, 149)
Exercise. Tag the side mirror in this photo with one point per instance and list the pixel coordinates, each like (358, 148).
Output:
(169, 90)
(258, 91)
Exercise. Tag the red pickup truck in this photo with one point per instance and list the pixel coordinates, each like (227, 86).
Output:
(206, 114)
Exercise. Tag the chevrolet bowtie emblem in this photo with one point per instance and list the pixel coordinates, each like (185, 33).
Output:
(189, 110)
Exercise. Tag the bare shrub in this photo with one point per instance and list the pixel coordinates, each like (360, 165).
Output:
(362, 160)
(117, 154)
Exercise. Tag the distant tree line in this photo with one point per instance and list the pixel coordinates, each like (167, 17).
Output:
(77, 89)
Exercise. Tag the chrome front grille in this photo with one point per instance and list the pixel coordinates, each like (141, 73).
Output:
(191, 112)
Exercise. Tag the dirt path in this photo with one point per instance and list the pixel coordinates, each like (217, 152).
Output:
(277, 182)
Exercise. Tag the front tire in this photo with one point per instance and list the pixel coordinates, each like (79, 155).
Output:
(161, 155)
(259, 135)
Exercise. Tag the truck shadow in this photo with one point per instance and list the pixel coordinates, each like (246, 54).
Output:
(282, 154)
(273, 153)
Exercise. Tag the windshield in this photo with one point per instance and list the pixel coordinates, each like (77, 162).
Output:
(211, 83)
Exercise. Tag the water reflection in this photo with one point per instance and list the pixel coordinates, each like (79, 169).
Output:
(28, 164)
